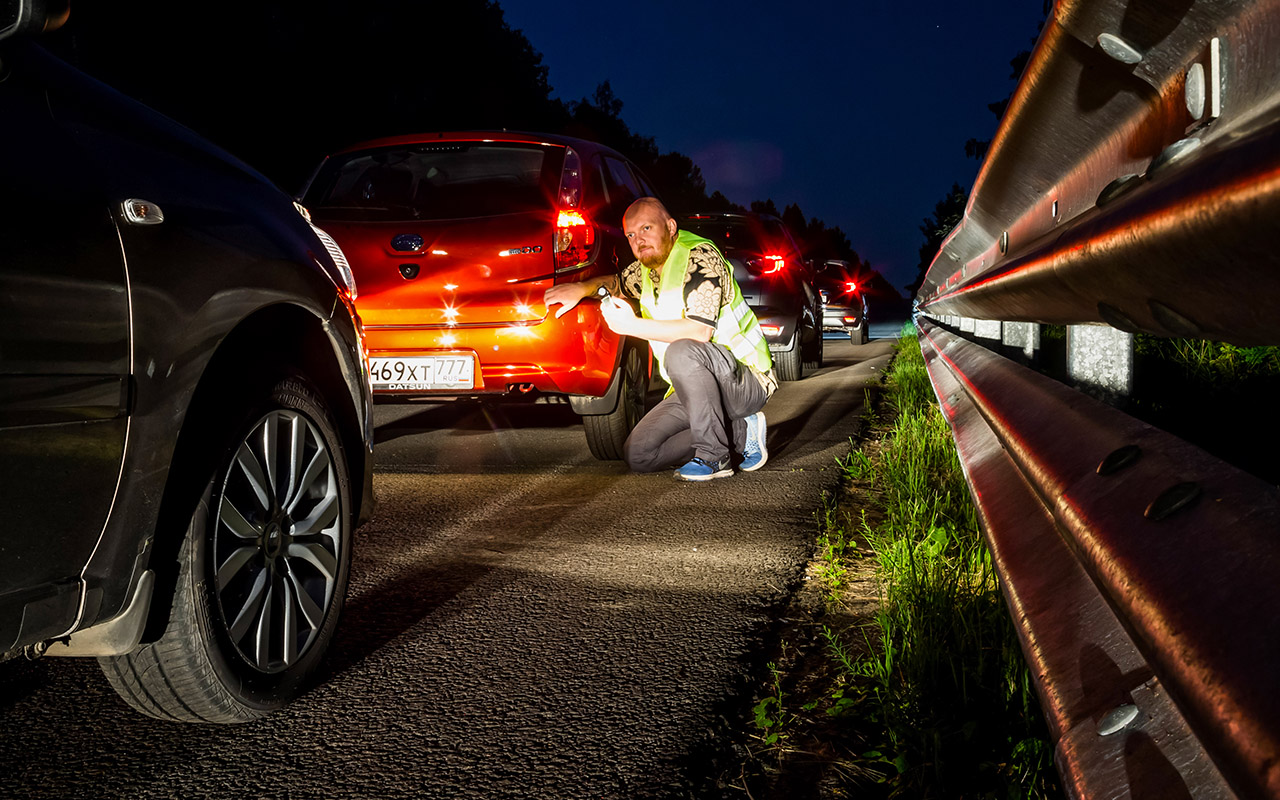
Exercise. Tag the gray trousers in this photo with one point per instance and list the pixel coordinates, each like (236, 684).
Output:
(704, 417)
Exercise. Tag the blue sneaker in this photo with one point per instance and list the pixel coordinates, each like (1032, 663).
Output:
(754, 453)
(699, 470)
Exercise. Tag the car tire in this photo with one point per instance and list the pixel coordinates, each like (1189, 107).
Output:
(816, 356)
(787, 362)
(858, 335)
(263, 571)
(606, 433)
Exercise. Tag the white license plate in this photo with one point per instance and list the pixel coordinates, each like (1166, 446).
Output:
(422, 372)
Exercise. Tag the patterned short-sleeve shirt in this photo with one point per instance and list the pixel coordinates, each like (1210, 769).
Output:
(705, 283)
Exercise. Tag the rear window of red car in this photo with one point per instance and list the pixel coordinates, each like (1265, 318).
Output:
(436, 181)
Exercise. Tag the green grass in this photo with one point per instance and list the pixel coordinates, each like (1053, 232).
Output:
(1213, 364)
(940, 689)
(1210, 394)
(931, 698)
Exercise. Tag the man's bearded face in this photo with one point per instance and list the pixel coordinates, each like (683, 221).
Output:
(651, 240)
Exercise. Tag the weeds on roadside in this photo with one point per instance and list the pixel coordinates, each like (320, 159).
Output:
(1212, 363)
(770, 714)
(1210, 393)
(833, 543)
(943, 676)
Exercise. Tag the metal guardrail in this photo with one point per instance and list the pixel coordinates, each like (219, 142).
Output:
(1134, 185)
(1105, 199)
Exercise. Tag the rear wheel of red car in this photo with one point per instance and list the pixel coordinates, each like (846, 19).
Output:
(263, 572)
(606, 433)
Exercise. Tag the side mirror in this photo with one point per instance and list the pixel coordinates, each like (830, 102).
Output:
(32, 17)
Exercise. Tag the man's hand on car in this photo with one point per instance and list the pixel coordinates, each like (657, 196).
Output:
(567, 295)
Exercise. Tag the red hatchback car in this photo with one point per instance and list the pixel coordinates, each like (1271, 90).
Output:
(454, 237)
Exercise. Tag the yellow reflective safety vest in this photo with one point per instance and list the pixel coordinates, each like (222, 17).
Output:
(736, 326)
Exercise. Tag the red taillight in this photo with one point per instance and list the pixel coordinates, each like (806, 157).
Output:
(851, 287)
(770, 330)
(574, 232)
(767, 265)
(574, 237)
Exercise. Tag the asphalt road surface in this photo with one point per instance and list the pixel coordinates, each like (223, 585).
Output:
(523, 622)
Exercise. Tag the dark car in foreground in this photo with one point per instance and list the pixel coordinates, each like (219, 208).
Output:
(776, 282)
(454, 238)
(844, 303)
(185, 435)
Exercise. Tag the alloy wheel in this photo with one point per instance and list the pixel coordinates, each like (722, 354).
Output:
(277, 540)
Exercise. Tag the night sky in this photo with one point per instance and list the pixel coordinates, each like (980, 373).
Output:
(858, 111)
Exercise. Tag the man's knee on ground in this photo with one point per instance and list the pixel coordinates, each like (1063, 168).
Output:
(639, 458)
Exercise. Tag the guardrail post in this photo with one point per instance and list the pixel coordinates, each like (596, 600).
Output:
(1100, 358)
(1025, 335)
(986, 328)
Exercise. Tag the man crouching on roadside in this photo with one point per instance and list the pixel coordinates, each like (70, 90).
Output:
(706, 341)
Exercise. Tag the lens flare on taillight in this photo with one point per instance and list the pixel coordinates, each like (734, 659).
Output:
(767, 265)
(574, 237)
(570, 219)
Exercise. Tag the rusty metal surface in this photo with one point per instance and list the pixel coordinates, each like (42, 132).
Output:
(1187, 245)
(1183, 548)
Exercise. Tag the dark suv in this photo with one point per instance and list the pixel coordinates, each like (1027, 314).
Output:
(776, 282)
(454, 238)
(185, 436)
(844, 302)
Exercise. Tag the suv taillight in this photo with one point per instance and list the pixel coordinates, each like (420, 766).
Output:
(767, 265)
(574, 232)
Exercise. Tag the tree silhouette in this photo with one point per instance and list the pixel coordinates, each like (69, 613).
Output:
(282, 83)
(977, 148)
(950, 209)
(718, 202)
(946, 216)
(765, 207)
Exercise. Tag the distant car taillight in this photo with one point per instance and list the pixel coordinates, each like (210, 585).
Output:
(574, 232)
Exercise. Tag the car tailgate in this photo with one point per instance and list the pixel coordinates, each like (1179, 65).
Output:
(483, 270)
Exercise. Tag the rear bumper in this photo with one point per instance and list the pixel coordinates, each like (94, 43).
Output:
(779, 327)
(833, 318)
(576, 354)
